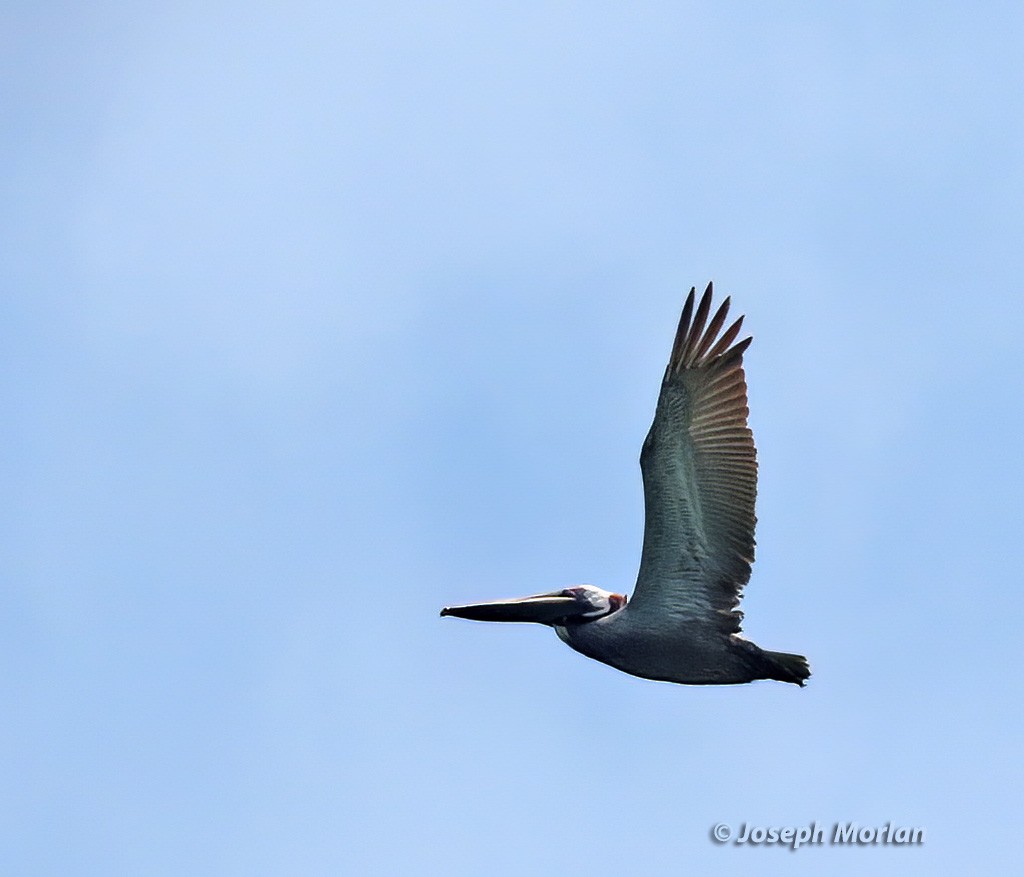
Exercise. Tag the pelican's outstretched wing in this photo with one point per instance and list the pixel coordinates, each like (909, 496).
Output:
(700, 479)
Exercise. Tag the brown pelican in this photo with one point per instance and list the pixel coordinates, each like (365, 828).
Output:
(700, 478)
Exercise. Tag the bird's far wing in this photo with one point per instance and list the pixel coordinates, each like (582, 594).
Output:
(700, 479)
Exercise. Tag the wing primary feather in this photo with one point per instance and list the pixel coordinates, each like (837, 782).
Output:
(681, 332)
(713, 329)
(695, 335)
(735, 353)
(726, 339)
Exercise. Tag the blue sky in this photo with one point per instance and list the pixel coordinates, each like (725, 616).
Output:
(318, 317)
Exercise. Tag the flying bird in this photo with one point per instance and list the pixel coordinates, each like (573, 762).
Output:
(699, 470)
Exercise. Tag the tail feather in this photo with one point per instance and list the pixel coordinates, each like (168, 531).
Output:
(788, 668)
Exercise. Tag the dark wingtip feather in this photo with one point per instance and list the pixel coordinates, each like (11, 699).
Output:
(683, 330)
(727, 338)
(695, 342)
(737, 350)
(713, 329)
(694, 336)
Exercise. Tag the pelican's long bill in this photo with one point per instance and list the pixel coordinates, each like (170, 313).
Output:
(541, 608)
(576, 604)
